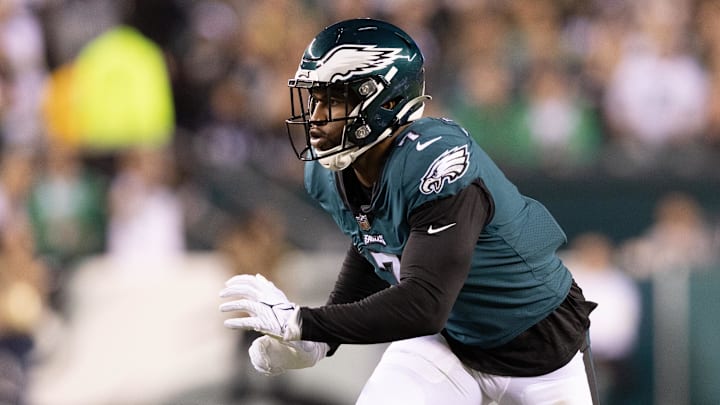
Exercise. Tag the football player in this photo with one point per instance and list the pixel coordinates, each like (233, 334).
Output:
(448, 260)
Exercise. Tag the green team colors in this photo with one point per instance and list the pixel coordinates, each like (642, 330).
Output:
(516, 279)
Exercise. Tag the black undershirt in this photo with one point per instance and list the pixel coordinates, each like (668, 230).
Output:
(364, 309)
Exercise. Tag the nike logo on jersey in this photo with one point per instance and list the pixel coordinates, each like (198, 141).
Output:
(433, 231)
(422, 145)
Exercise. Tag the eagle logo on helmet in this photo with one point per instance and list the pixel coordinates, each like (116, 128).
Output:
(446, 168)
(346, 61)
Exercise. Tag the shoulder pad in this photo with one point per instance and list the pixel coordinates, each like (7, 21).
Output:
(434, 158)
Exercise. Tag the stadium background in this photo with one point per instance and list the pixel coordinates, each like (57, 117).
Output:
(144, 161)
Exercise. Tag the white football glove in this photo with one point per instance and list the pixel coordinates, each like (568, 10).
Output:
(270, 356)
(269, 311)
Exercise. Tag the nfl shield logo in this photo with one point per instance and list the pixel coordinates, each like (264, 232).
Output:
(363, 221)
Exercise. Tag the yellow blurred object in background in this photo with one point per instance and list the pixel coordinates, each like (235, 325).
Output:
(121, 92)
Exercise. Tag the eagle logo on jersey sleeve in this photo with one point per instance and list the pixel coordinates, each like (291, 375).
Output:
(446, 168)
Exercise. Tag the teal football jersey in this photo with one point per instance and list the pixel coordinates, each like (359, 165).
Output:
(516, 278)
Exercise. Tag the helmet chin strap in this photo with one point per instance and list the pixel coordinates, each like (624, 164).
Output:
(342, 160)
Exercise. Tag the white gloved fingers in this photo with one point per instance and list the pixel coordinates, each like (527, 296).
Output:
(240, 279)
(271, 356)
(250, 306)
(258, 280)
(280, 312)
(249, 323)
(252, 287)
(261, 358)
(264, 318)
(254, 320)
(270, 290)
(242, 291)
(245, 286)
(264, 280)
(268, 309)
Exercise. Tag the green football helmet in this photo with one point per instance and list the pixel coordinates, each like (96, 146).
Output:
(370, 61)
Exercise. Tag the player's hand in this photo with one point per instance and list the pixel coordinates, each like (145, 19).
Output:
(268, 309)
(270, 356)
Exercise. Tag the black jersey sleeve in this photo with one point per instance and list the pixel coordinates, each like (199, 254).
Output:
(356, 280)
(433, 269)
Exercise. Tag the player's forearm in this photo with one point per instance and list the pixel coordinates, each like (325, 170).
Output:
(419, 305)
(375, 319)
(434, 267)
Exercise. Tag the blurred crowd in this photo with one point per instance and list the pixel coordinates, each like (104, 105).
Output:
(558, 85)
(557, 88)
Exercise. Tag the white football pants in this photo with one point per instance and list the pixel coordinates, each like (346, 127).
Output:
(424, 371)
